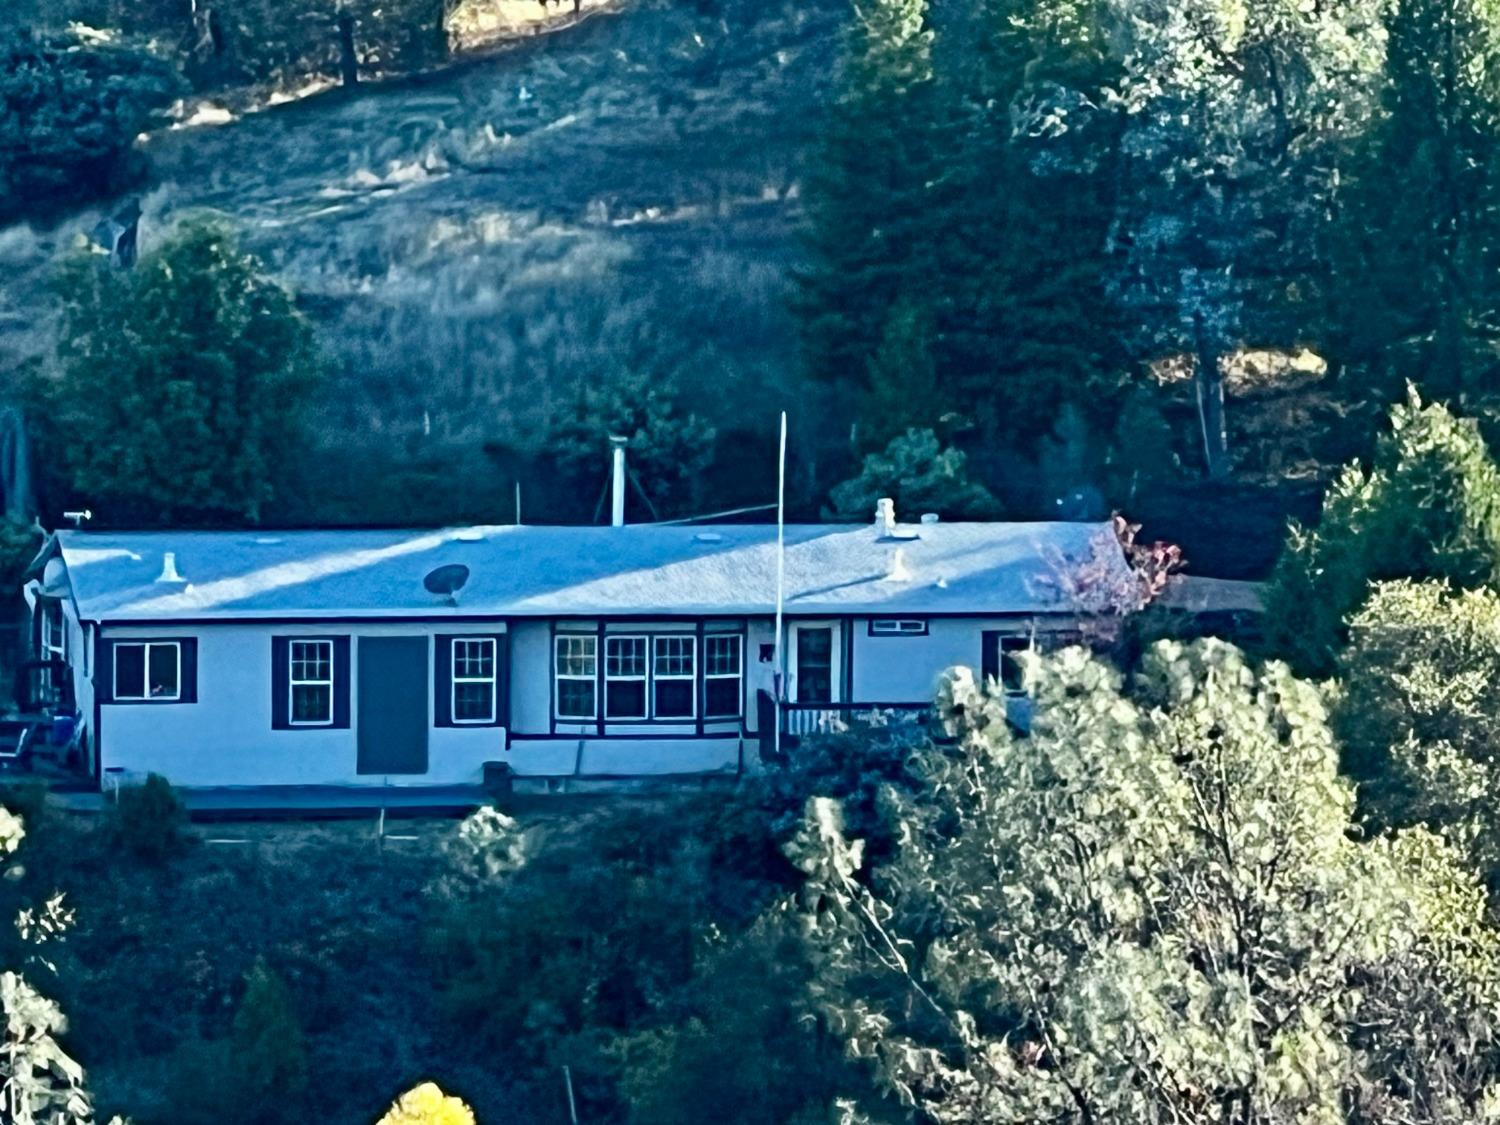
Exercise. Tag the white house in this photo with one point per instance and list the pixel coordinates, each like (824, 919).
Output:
(249, 658)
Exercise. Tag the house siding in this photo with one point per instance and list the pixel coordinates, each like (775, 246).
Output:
(906, 669)
(226, 737)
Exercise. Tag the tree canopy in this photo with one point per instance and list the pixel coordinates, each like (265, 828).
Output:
(181, 383)
(1153, 908)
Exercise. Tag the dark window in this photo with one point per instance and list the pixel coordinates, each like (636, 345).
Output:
(311, 679)
(625, 678)
(723, 669)
(674, 677)
(148, 670)
(577, 661)
(1003, 660)
(814, 665)
(474, 680)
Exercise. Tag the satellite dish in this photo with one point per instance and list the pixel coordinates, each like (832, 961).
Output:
(447, 581)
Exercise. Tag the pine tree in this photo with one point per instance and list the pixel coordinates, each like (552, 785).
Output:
(868, 191)
(1415, 289)
(903, 378)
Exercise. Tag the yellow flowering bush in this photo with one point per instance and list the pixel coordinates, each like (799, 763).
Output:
(428, 1105)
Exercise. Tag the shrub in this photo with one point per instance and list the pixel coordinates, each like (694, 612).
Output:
(149, 819)
(270, 1051)
(1428, 508)
(427, 1105)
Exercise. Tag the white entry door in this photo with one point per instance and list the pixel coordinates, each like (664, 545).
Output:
(813, 662)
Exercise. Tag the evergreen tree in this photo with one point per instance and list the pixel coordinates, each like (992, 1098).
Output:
(1429, 507)
(921, 475)
(181, 382)
(903, 379)
(868, 191)
(1415, 289)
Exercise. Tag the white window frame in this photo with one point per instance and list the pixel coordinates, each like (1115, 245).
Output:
(145, 647)
(455, 679)
(691, 677)
(898, 627)
(54, 648)
(558, 643)
(738, 676)
(293, 683)
(644, 679)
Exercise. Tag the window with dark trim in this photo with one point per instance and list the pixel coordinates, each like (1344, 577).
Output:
(625, 677)
(147, 670)
(576, 668)
(898, 627)
(310, 683)
(723, 675)
(1003, 662)
(474, 678)
(674, 677)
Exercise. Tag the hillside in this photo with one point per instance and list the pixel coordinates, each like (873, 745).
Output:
(473, 243)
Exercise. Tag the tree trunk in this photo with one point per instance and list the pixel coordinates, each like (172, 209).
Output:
(1208, 383)
(348, 60)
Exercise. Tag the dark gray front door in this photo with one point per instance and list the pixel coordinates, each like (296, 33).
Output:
(392, 720)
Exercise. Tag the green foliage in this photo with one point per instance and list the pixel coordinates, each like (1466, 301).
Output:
(628, 928)
(182, 382)
(921, 476)
(1155, 895)
(1415, 253)
(903, 380)
(1421, 681)
(1429, 507)
(269, 1051)
(19, 544)
(669, 449)
(70, 112)
(148, 820)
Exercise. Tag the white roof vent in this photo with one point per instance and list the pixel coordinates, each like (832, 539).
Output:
(469, 535)
(885, 516)
(929, 517)
(709, 537)
(169, 568)
(899, 571)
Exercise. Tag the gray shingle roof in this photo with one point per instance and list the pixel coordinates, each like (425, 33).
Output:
(968, 568)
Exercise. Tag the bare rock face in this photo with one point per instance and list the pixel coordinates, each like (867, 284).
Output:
(475, 242)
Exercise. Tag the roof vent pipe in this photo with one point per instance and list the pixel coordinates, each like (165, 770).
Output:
(169, 568)
(617, 495)
(929, 517)
(885, 516)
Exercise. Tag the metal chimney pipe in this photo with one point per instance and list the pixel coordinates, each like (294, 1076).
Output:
(617, 496)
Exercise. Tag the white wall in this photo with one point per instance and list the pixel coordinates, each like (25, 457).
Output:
(906, 669)
(225, 738)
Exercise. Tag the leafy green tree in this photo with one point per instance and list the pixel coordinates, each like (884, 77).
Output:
(1235, 114)
(1421, 678)
(670, 448)
(1415, 288)
(69, 115)
(921, 475)
(181, 382)
(1428, 507)
(1152, 908)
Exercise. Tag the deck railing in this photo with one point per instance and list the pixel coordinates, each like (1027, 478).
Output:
(799, 720)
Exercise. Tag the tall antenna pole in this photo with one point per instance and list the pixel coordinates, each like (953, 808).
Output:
(778, 672)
